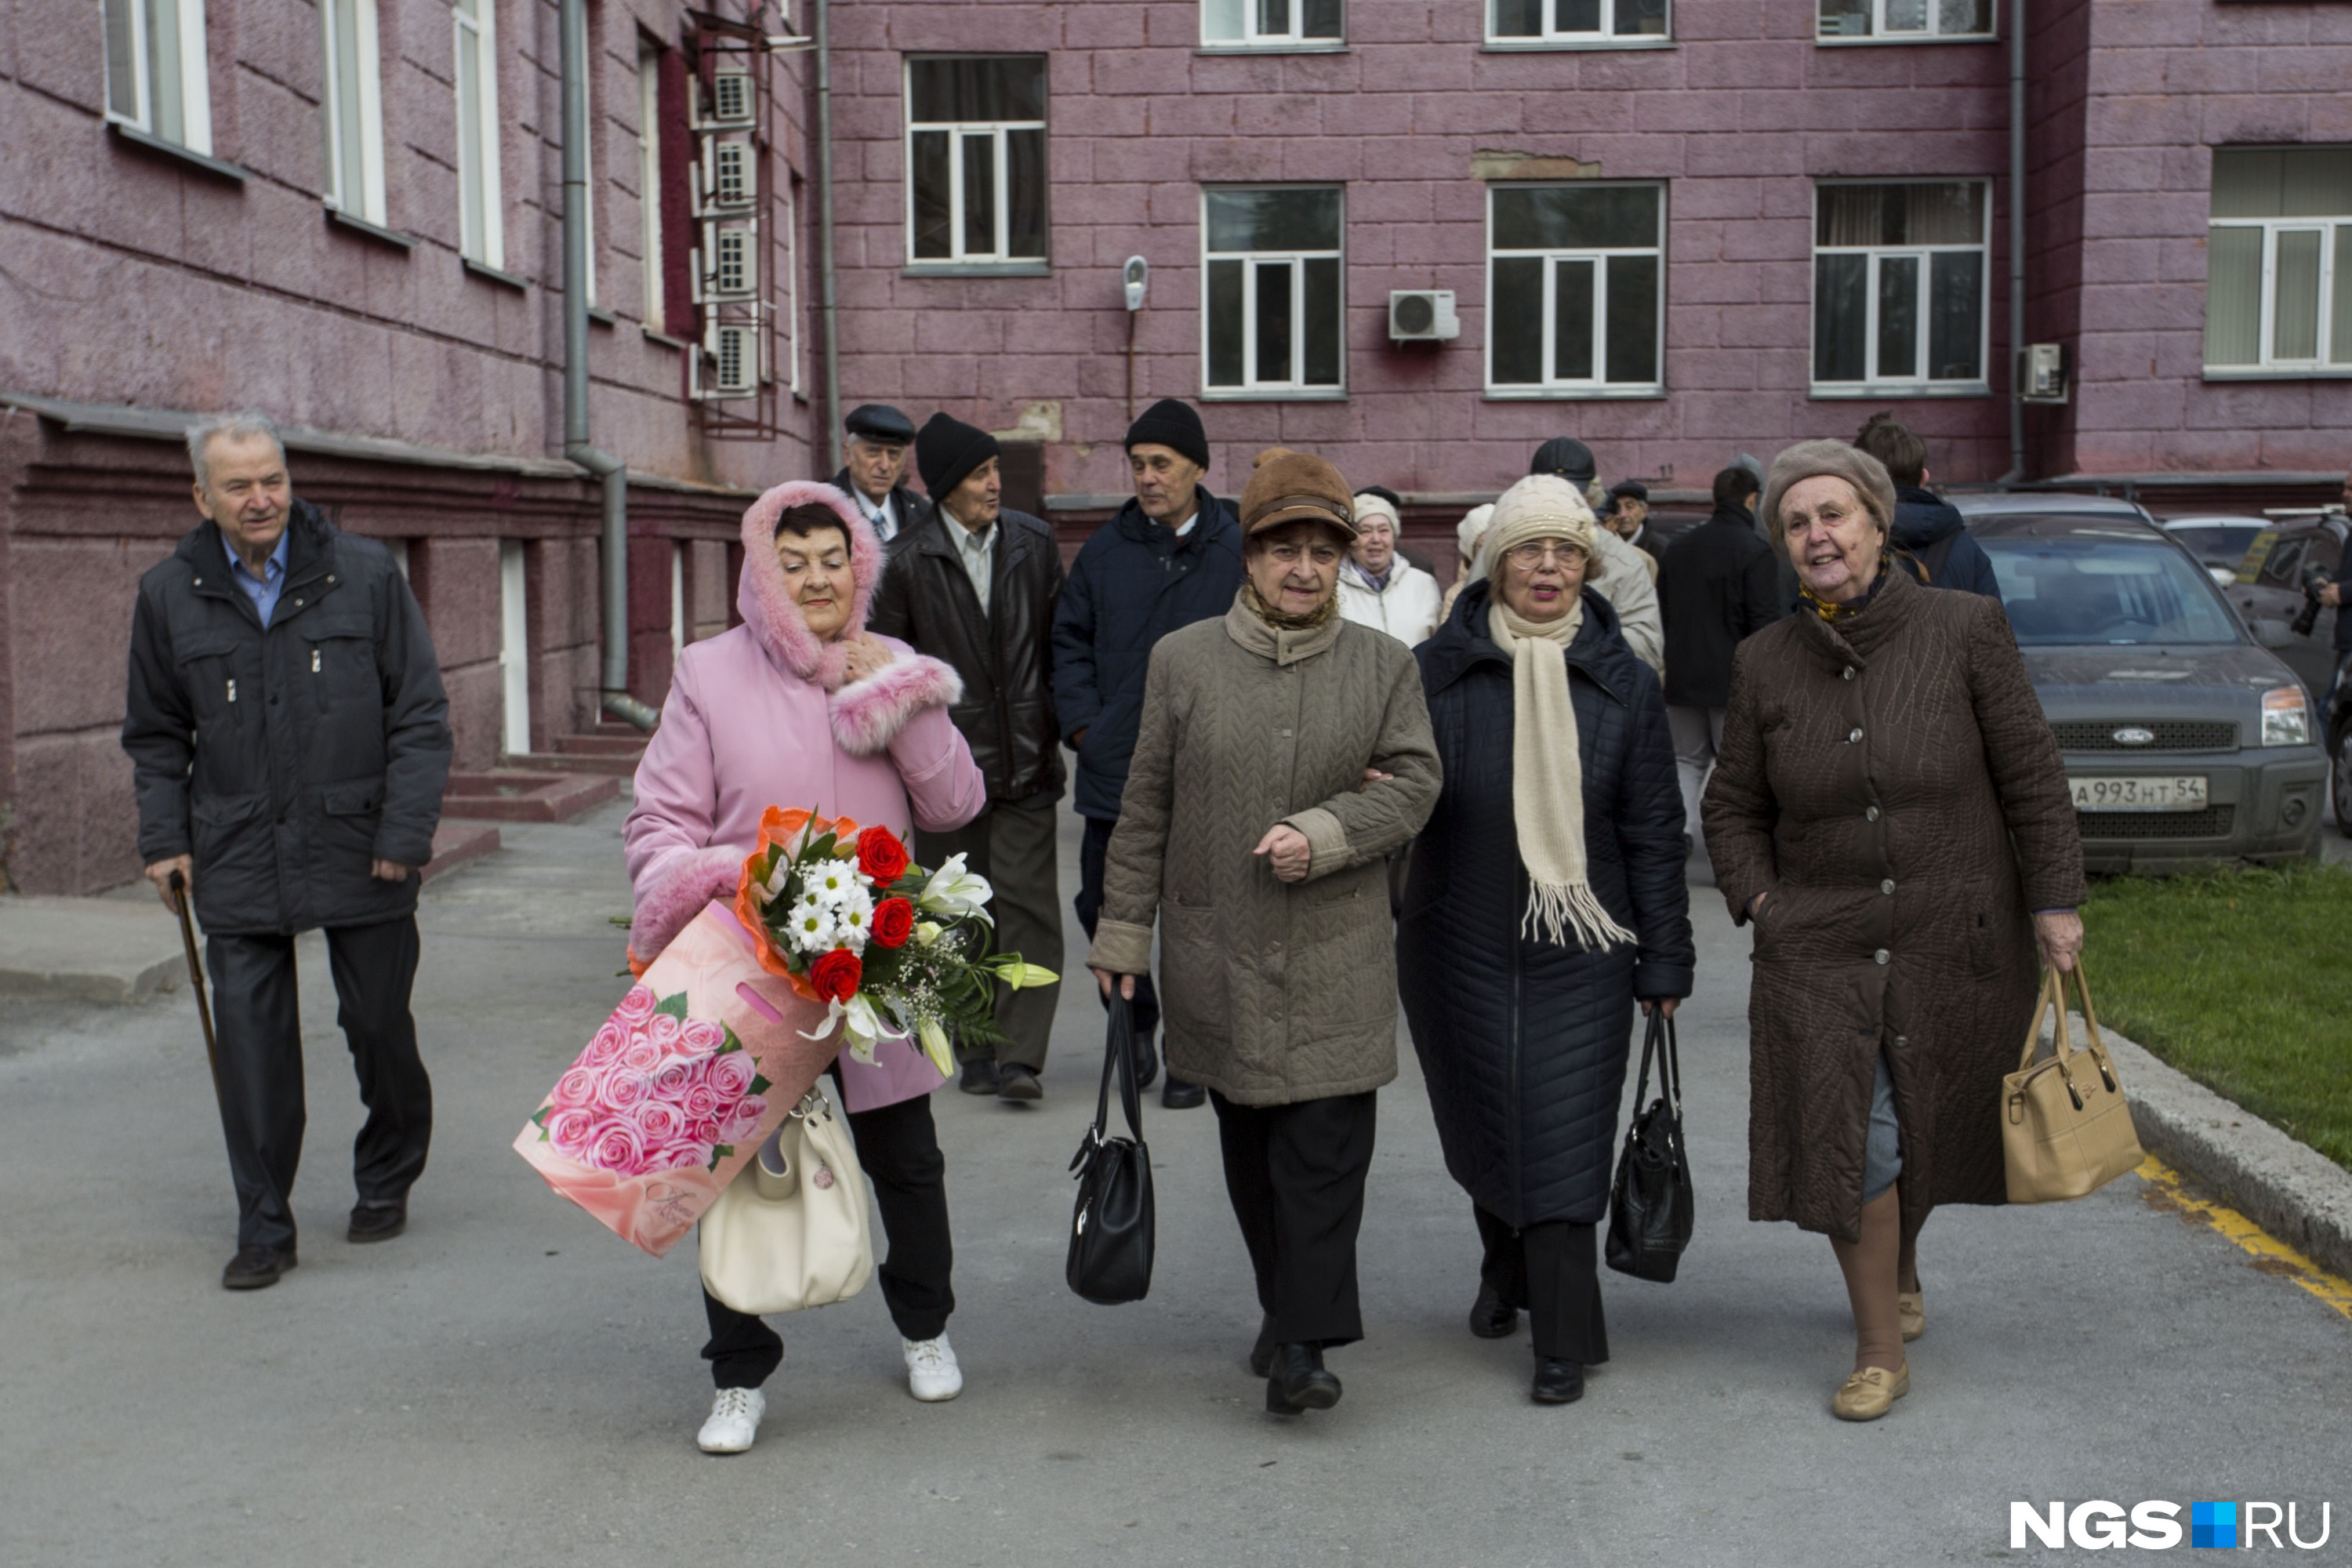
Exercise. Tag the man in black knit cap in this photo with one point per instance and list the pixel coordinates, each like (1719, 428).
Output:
(975, 585)
(1168, 558)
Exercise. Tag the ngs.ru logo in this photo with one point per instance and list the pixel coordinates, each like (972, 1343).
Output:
(2155, 1526)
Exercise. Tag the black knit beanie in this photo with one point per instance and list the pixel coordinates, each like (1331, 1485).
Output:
(947, 451)
(1174, 425)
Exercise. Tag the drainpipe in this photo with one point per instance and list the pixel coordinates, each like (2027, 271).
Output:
(2016, 245)
(610, 470)
(824, 237)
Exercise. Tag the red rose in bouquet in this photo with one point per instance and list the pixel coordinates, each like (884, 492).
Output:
(893, 922)
(837, 975)
(881, 857)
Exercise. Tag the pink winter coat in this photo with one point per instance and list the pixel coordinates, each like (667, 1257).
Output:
(758, 717)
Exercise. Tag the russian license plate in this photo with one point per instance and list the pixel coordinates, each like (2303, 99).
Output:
(2154, 791)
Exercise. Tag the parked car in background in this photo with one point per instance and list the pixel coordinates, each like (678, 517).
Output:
(1975, 504)
(2221, 542)
(2269, 593)
(2184, 741)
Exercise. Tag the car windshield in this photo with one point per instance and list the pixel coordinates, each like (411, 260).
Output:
(2082, 588)
(2218, 543)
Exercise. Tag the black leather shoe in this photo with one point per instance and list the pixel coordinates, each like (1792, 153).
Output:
(1490, 1317)
(1298, 1382)
(980, 1076)
(378, 1221)
(1147, 1062)
(1177, 1094)
(257, 1267)
(1014, 1081)
(1260, 1362)
(1558, 1381)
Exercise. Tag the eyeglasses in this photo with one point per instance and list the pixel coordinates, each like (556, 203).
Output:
(1538, 552)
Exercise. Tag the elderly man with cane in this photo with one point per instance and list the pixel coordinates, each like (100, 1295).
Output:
(289, 739)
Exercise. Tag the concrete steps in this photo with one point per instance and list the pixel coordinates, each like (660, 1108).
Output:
(519, 794)
(457, 842)
(612, 749)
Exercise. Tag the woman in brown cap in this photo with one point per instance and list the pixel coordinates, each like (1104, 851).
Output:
(1889, 809)
(1284, 753)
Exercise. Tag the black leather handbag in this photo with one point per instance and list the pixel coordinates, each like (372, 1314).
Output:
(1112, 1232)
(1650, 1206)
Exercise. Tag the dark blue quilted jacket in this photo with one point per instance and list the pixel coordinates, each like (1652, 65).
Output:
(1523, 1044)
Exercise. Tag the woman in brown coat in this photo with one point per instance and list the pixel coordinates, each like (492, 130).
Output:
(1890, 810)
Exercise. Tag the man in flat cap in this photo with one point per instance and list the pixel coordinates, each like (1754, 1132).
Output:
(875, 474)
(1628, 517)
(975, 584)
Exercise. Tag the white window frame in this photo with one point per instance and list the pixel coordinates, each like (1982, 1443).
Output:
(788, 229)
(488, 245)
(1596, 385)
(650, 187)
(1919, 386)
(1296, 388)
(191, 66)
(1241, 29)
(1933, 32)
(367, 90)
(2331, 256)
(1000, 170)
(1604, 36)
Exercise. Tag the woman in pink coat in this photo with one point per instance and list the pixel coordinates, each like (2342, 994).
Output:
(801, 706)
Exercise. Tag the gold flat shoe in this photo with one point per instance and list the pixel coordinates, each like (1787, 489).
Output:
(1870, 1393)
(1911, 1309)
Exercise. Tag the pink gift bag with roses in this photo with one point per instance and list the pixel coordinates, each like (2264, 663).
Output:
(679, 1087)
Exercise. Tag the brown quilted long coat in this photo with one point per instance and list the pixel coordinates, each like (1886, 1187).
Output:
(1271, 992)
(1892, 783)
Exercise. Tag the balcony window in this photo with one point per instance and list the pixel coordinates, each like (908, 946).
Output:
(1573, 24)
(2278, 294)
(1904, 21)
(1275, 301)
(976, 160)
(156, 79)
(1899, 288)
(1575, 288)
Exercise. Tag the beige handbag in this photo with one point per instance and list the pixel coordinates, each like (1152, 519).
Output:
(2065, 1129)
(792, 1230)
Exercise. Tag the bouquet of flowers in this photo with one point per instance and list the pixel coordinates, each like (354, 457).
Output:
(656, 1090)
(895, 951)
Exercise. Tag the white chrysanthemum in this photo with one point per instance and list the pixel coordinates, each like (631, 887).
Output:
(812, 925)
(835, 884)
(851, 921)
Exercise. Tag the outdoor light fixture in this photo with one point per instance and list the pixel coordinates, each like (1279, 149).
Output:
(1138, 274)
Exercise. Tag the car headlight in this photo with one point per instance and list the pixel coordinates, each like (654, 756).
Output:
(2286, 716)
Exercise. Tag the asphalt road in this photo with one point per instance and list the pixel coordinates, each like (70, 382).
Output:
(511, 1384)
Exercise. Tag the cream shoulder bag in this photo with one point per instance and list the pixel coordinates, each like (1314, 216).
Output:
(792, 1230)
(2065, 1129)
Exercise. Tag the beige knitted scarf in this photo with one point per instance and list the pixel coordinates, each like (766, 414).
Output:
(1548, 781)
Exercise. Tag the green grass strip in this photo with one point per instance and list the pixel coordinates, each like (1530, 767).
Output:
(2238, 978)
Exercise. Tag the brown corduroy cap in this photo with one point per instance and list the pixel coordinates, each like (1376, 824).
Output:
(1293, 486)
(1810, 460)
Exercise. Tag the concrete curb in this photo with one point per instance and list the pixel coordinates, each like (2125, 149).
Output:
(2290, 1189)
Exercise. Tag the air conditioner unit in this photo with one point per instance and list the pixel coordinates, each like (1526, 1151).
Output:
(734, 273)
(729, 182)
(737, 373)
(1422, 315)
(730, 98)
(2041, 373)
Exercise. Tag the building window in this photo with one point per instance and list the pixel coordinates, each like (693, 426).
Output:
(480, 233)
(976, 159)
(1575, 288)
(156, 79)
(1899, 281)
(2279, 290)
(354, 110)
(1276, 304)
(1584, 22)
(649, 186)
(1271, 25)
(1904, 21)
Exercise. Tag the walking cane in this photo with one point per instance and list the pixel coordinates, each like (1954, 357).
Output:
(196, 979)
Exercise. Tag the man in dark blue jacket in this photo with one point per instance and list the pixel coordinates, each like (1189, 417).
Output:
(1924, 524)
(1168, 558)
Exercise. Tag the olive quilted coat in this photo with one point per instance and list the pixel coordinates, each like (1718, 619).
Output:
(1272, 993)
(1893, 784)
(1522, 1043)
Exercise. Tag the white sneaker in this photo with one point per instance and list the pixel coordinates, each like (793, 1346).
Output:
(932, 1375)
(734, 1421)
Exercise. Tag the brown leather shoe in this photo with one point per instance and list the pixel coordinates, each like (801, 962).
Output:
(1911, 1307)
(1870, 1393)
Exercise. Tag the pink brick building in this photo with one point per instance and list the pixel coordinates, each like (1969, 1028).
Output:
(1678, 232)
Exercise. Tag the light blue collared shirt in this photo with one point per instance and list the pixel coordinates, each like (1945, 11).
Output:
(262, 590)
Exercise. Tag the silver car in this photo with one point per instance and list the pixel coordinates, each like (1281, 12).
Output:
(2185, 742)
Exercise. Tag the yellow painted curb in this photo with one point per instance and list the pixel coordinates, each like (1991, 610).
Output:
(2258, 1243)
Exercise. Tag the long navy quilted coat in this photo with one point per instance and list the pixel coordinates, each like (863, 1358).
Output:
(1523, 1044)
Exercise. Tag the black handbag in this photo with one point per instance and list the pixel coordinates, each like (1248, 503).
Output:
(1650, 1204)
(1112, 1232)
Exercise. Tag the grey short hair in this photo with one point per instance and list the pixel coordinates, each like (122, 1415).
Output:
(245, 422)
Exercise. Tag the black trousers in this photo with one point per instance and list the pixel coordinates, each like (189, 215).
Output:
(258, 1015)
(899, 1145)
(1145, 1008)
(1295, 1176)
(1550, 1271)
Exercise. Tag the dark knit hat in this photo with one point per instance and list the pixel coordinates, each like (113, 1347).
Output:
(946, 452)
(1173, 424)
(1566, 457)
(1623, 488)
(1293, 486)
(880, 422)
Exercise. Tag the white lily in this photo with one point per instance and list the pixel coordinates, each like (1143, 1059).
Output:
(954, 892)
(1022, 976)
(774, 884)
(927, 933)
(860, 1025)
(936, 1047)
